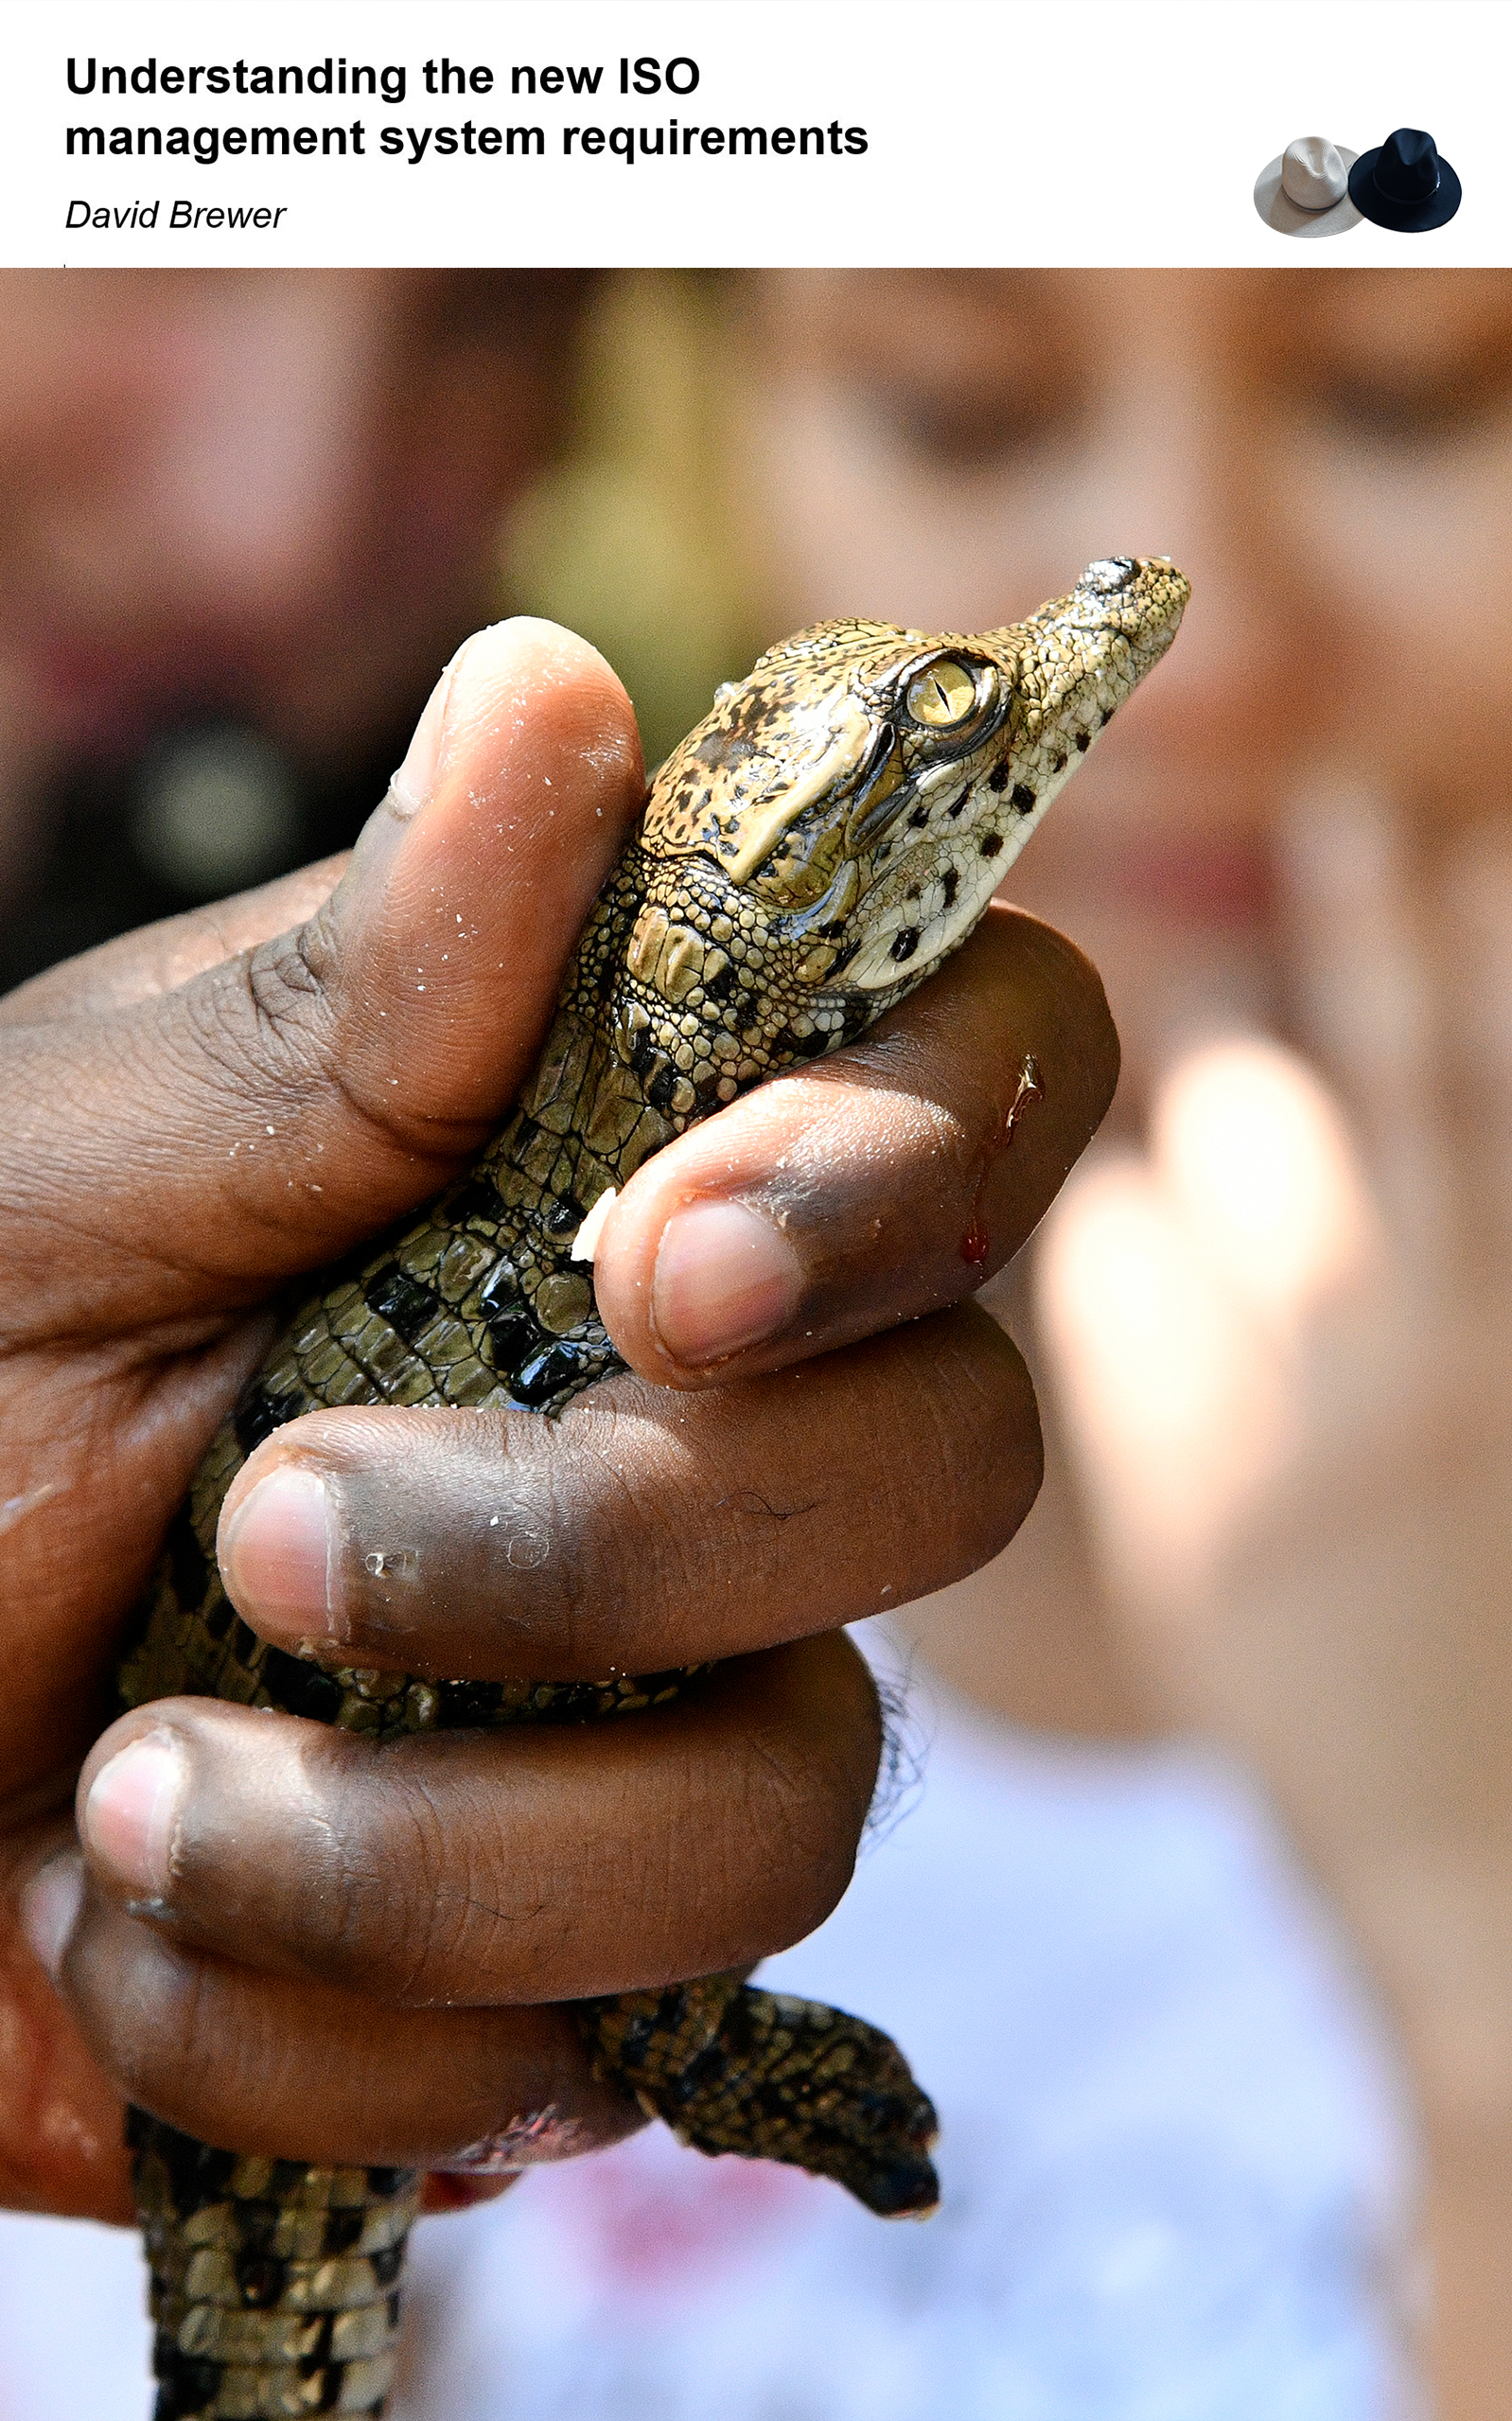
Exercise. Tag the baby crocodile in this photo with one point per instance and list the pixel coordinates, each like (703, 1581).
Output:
(810, 854)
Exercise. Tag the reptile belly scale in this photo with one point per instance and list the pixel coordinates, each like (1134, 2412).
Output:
(806, 858)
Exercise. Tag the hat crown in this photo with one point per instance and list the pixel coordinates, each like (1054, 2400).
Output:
(1313, 174)
(1407, 170)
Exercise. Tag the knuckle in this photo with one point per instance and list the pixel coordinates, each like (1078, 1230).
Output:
(250, 1028)
(286, 1856)
(414, 1871)
(290, 985)
(369, 1856)
(424, 1917)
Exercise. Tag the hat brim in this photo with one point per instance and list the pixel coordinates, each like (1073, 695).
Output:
(1406, 218)
(1279, 211)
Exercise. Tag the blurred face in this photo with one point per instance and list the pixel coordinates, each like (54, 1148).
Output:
(1327, 454)
(267, 494)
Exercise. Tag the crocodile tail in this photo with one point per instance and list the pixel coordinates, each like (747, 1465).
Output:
(731, 2068)
(275, 2287)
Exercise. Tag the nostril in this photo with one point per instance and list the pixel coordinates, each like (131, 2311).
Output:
(1113, 573)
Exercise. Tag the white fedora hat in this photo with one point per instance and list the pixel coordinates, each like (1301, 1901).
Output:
(1305, 190)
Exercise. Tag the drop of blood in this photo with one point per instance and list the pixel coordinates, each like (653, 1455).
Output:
(976, 1244)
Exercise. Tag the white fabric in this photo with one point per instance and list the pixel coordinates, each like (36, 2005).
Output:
(1313, 174)
(1176, 2166)
(1314, 167)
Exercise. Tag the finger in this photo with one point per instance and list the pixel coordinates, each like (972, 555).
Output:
(61, 2147)
(1473, 968)
(308, 2072)
(1367, 1000)
(135, 967)
(642, 1529)
(1252, 1152)
(262, 1117)
(872, 1185)
(537, 1862)
(1173, 1394)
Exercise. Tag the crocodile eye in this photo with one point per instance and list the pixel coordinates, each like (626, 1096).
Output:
(941, 695)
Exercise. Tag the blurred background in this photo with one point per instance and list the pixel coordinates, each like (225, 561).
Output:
(1197, 1912)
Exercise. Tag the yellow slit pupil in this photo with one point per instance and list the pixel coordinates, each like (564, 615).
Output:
(942, 694)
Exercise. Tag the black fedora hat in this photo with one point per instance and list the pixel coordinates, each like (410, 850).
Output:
(1404, 184)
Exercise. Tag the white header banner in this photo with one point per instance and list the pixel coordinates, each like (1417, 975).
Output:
(731, 133)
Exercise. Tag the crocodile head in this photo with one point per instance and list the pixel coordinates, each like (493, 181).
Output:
(865, 788)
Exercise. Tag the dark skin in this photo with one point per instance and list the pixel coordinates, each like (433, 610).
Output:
(357, 1955)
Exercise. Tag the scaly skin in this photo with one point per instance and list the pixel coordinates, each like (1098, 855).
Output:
(807, 857)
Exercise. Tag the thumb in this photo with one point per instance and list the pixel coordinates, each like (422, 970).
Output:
(191, 1148)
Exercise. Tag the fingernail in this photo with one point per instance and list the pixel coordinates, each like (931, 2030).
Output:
(411, 786)
(49, 1908)
(277, 1552)
(724, 1277)
(132, 1809)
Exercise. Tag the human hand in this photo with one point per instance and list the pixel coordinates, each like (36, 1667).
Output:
(1279, 1339)
(1276, 1336)
(276, 1935)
